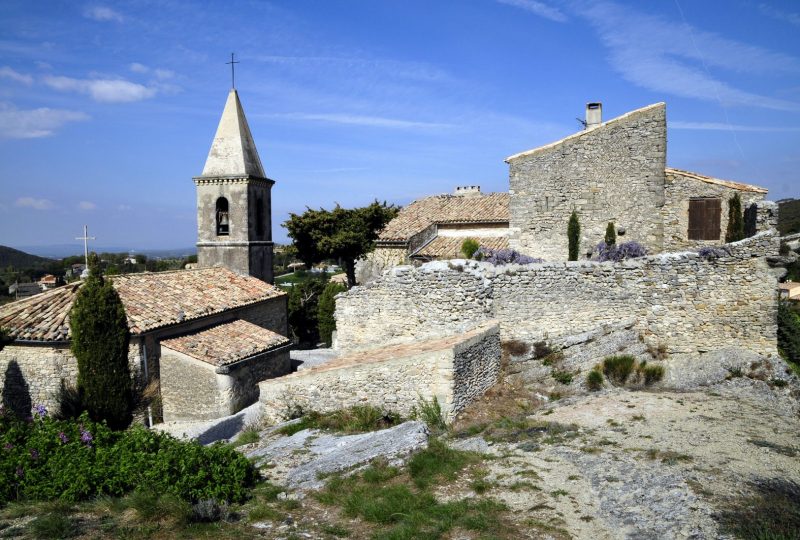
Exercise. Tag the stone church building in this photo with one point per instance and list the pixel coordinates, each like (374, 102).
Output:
(208, 335)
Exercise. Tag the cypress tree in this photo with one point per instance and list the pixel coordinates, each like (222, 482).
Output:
(325, 309)
(100, 339)
(574, 236)
(611, 234)
(735, 230)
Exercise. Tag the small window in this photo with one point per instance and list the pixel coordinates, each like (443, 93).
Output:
(223, 219)
(704, 219)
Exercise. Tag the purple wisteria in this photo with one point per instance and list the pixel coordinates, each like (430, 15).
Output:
(86, 436)
(40, 411)
(618, 252)
(503, 256)
(63, 437)
(34, 454)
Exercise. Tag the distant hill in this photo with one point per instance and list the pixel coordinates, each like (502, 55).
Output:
(789, 216)
(20, 259)
(59, 251)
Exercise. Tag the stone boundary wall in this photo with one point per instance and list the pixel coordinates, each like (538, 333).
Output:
(455, 370)
(688, 303)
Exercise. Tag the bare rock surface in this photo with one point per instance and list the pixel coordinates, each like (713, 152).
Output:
(301, 461)
(623, 464)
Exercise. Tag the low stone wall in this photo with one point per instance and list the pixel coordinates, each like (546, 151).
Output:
(686, 302)
(31, 375)
(454, 370)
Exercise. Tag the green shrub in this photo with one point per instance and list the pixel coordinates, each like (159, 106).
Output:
(611, 234)
(735, 230)
(469, 247)
(430, 412)
(99, 342)
(573, 236)
(652, 374)
(72, 460)
(325, 310)
(618, 368)
(789, 334)
(594, 380)
(356, 419)
(564, 377)
(303, 310)
(53, 526)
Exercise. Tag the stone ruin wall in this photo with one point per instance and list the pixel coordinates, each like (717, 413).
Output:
(614, 172)
(675, 212)
(454, 370)
(680, 300)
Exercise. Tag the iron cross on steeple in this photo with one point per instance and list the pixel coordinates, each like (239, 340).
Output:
(85, 239)
(233, 73)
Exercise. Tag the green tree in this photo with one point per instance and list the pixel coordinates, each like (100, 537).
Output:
(344, 234)
(303, 311)
(574, 236)
(100, 339)
(735, 230)
(611, 234)
(789, 334)
(326, 323)
(469, 247)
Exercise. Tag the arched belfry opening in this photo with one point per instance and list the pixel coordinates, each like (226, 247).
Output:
(223, 217)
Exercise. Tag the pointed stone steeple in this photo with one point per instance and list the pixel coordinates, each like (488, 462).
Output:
(233, 152)
(234, 201)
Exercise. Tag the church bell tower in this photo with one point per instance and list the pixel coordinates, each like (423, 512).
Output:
(234, 206)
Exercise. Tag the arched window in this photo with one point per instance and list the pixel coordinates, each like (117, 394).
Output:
(222, 217)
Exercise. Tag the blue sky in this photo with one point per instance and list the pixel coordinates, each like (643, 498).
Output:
(108, 109)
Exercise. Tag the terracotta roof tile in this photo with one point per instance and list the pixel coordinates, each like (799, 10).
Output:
(226, 343)
(710, 180)
(449, 247)
(152, 300)
(412, 219)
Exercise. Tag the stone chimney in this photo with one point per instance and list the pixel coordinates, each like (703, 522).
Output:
(594, 114)
(467, 191)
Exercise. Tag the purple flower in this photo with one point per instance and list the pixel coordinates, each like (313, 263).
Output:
(34, 454)
(86, 436)
(40, 411)
(618, 252)
(8, 446)
(503, 256)
(63, 437)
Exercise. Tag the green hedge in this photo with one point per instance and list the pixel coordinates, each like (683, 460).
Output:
(71, 460)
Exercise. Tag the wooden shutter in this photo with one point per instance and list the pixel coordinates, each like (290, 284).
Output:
(704, 219)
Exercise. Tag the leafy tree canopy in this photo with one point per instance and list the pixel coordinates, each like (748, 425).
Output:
(342, 233)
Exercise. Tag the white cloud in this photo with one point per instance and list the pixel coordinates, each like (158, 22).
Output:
(103, 90)
(673, 58)
(8, 73)
(32, 123)
(136, 67)
(720, 126)
(775, 13)
(36, 204)
(163, 73)
(361, 120)
(538, 8)
(102, 14)
(86, 205)
(43, 65)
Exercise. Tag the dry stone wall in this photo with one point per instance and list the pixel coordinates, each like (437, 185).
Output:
(681, 300)
(409, 304)
(610, 173)
(454, 370)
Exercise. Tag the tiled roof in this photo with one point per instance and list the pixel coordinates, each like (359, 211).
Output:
(226, 343)
(449, 247)
(152, 300)
(412, 219)
(710, 180)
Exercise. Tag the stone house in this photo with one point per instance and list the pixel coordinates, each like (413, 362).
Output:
(616, 172)
(207, 335)
(435, 227)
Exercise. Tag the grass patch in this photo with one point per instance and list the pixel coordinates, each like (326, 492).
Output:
(522, 430)
(618, 368)
(779, 448)
(515, 347)
(357, 419)
(770, 512)
(430, 412)
(564, 377)
(249, 435)
(594, 380)
(652, 374)
(53, 525)
(402, 507)
(668, 457)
